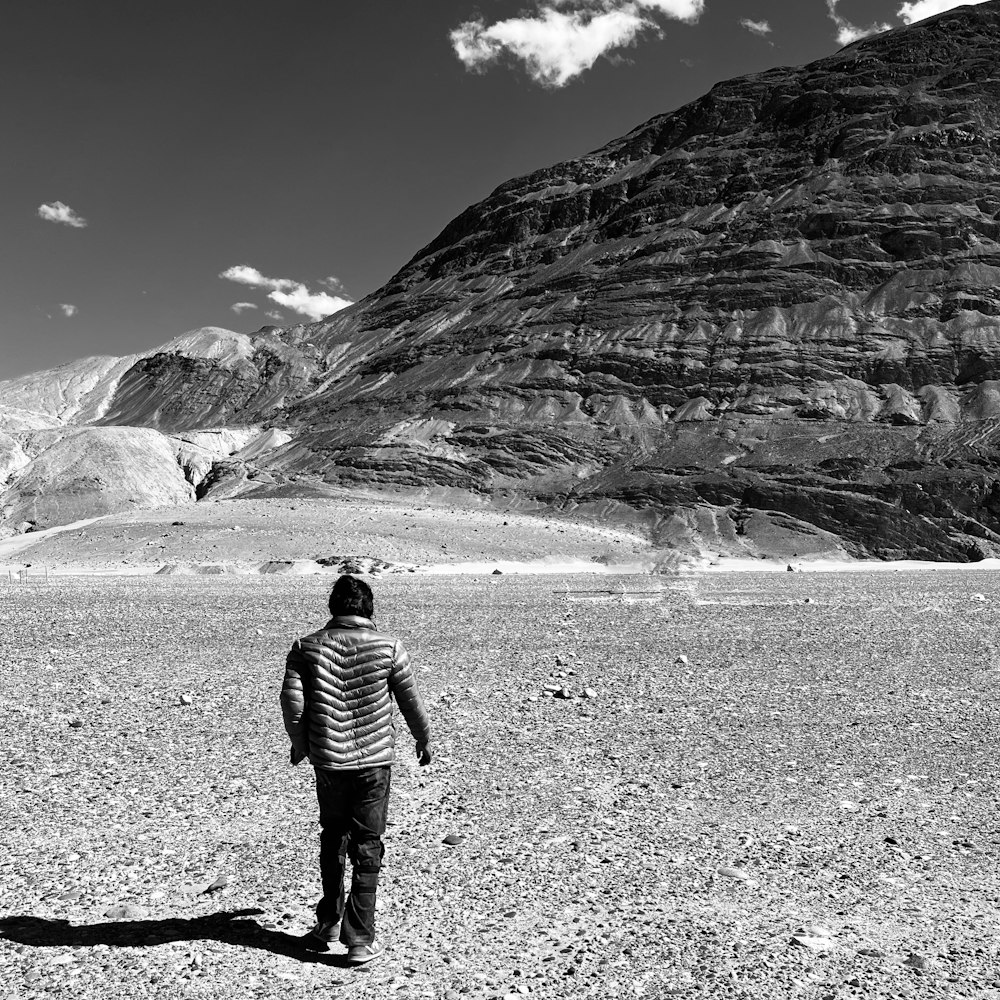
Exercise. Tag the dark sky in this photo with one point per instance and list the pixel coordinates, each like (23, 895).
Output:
(307, 139)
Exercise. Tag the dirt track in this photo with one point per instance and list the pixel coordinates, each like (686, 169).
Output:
(823, 770)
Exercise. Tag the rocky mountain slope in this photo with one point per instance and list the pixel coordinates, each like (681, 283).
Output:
(106, 435)
(771, 315)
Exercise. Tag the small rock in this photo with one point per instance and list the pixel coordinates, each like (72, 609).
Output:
(915, 961)
(814, 930)
(736, 873)
(186, 699)
(564, 693)
(789, 568)
(589, 693)
(454, 840)
(812, 943)
(75, 723)
(682, 661)
(498, 572)
(808, 600)
(125, 911)
(193, 889)
(848, 806)
(220, 883)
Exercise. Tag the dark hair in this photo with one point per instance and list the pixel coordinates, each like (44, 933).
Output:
(351, 596)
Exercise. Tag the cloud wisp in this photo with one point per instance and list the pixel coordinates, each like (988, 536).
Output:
(241, 307)
(920, 9)
(848, 32)
(293, 295)
(63, 214)
(762, 28)
(68, 309)
(565, 37)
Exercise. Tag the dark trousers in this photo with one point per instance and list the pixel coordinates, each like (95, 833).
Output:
(352, 811)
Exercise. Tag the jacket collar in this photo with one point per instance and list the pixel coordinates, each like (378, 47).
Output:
(350, 621)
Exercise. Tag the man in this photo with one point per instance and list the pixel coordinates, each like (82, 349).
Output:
(336, 701)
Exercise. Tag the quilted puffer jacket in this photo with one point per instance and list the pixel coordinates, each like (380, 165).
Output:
(336, 699)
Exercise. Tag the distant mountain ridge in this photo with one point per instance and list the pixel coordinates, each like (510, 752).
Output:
(767, 322)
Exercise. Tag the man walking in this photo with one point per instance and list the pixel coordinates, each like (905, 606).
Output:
(336, 701)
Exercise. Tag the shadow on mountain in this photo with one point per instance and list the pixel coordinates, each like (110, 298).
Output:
(229, 927)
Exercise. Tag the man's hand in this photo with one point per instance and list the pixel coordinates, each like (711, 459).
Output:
(296, 756)
(423, 755)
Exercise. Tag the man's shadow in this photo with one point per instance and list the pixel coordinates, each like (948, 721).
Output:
(229, 927)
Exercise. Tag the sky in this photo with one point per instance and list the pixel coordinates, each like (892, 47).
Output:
(240, 163)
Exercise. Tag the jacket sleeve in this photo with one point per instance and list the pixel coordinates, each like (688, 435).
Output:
(294, 699)
(403, 684)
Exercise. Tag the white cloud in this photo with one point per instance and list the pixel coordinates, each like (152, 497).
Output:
(58, 212)
(565, 37)
(275, 315)
(239, 307)
(848, 32)
(68, 309)
(679, 10)
(289, 293)
(920, 9)
(761, 28)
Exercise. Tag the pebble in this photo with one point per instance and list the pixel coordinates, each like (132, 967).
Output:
(186, 699)
(682, 661)
(736, 873)
(589, 693)
(453, 840)
(125, 911)
(811, 942)
(814, 930)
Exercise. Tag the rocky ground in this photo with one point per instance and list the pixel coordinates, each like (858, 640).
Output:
(778, 786)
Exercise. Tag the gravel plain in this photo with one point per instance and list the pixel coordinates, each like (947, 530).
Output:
(782, 786)
(240, 535)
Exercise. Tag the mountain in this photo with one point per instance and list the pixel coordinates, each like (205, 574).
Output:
(105, 435)
(768, 321)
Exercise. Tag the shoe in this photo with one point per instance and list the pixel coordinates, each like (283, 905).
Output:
(326, 931)
(358, 954)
